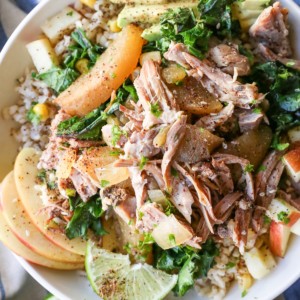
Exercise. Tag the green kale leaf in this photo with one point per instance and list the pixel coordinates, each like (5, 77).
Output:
(187, 262)
(86, 216)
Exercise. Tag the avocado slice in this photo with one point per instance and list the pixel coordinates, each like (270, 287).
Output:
(152, 33)
(149, 13)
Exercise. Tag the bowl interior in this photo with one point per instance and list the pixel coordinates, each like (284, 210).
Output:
(14, 59)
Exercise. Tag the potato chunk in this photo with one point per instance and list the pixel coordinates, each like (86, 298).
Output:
(112, 68)
(194, 98)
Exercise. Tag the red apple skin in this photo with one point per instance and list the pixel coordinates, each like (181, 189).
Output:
(293, 217)
(279, 237)
(293, 159)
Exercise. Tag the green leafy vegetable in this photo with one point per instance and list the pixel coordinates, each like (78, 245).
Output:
(282, 87)
(116, 134)
(187, 262)
(267, 220)
(284, 217)
(58, 79)
(244, 293)
(230, 265)
(104, 183)
(86, 215)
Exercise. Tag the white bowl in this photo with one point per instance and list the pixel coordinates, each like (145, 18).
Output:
(72, 285)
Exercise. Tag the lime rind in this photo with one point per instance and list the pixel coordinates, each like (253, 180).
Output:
(113, 277)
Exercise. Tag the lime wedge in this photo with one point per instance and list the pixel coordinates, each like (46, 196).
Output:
(113, 277)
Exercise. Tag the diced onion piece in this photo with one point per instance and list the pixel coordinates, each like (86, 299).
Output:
(161, 137)
(171, 233)
(157, 196)
(111, 175)
(154, 55)
(66, 162)
(173, 74)
(116, 64)
(55, 27)
(89, 3)
(41, 110)
(42, 54)
(294, 134)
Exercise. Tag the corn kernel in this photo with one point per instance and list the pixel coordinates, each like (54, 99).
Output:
(113, 121)
(245, 281)
(82, 66)
(42, 111)
(113, 25)
(154, 55)
(89, 3)
(173, 74)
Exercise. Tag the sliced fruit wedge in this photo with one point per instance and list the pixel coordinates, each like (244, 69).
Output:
(113, 277)
(25, 177)
(21, 225)
(11, 242)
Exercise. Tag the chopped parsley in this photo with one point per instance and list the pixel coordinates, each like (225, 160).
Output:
(70, 13)
(172, 239)
(116, 134)
(230, 265)
(283, 216)
(249, 168)
(104, 183)
(244, 293)
(261, 168)
(32, 117)
(267, 220)
(144, 160)
(155, 109)
(257, 110)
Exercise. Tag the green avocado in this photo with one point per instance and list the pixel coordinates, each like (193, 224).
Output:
(152, 33)
(149, 14)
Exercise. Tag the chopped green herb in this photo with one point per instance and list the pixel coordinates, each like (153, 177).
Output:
(70, 13)
(116, 133)
(141, 214)
(267, 220)
(104, 183)
(144, 160)
(262, 168)
(257, 110)
(32, 117)
(128, 247)
(244, 293)
(42, 176)
(130, 222)
(70, 192)
(170, 208)
(115, 152)
(172, 239)
(283, 217)
(281, 146)
(249, 168)
(230, 265)
(155, 109)
(113, 75)
(174, 172)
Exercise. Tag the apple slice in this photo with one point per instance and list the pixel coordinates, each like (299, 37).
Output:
(259, 262)
(171, 232)
(296, 228)
(279, 238)
(282, 212)
(25, 231)
(25, 177)
(292, 162)
(11, 241)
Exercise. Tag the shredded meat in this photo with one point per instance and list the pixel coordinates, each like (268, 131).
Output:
(212, 121)
(112, 196)
(270, 29)
(214, 80)
(229, 60)
(83, 185)
(174, 137)
(249, 120)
